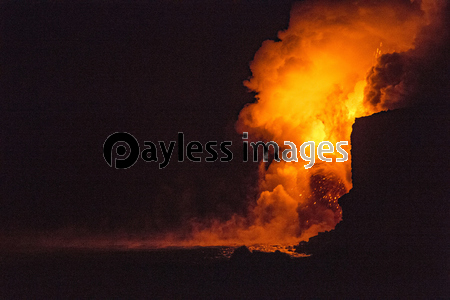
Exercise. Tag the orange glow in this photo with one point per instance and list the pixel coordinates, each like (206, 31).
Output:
(310, 87)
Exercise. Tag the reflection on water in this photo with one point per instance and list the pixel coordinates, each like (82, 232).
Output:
(60, 243)
(196, 253)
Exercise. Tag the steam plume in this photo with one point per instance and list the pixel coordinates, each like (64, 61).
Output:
(418, 74)
(336, 61)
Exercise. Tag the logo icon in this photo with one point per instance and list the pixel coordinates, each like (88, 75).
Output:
(121, 150)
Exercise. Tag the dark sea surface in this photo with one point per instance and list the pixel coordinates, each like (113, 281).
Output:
(212, 273)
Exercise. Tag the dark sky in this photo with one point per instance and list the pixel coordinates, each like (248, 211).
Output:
(74, 72)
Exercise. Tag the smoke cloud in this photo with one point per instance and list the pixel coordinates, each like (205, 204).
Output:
(336, 61)
(416, 76)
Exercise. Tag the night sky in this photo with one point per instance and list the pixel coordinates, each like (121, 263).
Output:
(74, 73)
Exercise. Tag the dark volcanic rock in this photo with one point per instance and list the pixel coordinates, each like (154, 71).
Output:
(245, 256)
(241, 253)
(399, 201)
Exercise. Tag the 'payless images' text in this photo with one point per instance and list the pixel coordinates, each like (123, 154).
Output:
(121, 150)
